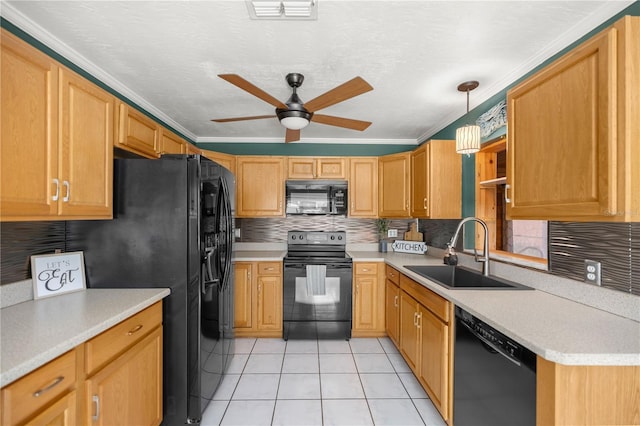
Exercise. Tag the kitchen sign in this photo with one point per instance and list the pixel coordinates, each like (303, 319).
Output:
(55, 274)
(414, 247)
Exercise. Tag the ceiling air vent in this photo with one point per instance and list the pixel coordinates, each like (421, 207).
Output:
(286, 9)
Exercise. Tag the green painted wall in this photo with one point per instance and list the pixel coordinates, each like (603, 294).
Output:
(312, 149)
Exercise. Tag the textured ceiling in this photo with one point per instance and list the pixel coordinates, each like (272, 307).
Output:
(165, 56)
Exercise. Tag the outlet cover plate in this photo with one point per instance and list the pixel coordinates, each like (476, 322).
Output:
(592, 272)
(392, 233)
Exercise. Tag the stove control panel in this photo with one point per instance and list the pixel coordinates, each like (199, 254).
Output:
(317, 237)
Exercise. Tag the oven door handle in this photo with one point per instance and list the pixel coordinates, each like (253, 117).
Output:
(328, 265)
(488, 343)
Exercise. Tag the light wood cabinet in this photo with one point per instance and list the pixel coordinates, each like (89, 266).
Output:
(227, 161)
(137, 132)
(363, 187)
(394, 184)
(258, 299)
(124, 372)
(317, 168)
(260, 186)
(192, 149)
(368, 299)
(436, 181)
(572, 151)
(426, 341)
(392, 304)
(57, 137)
(113, 379)
(171, 144)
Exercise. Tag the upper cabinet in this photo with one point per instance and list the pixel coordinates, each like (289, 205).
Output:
(137, 132)
(363, 187)
(317, 168)
(171, 144)
(225, 160)
(572, 146)
(260, 186)
(394, 184)
(436, 181)
(57, 139)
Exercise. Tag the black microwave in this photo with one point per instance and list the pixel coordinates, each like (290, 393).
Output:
(320, 197)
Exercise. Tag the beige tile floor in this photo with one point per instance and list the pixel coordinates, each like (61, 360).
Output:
(363, 381)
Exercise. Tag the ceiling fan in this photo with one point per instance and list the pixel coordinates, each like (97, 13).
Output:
(294, 114)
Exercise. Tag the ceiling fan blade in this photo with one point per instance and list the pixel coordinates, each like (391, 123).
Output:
(351, 88)
(251, 88)
(347, 123)
(255, 117)
(292, 135)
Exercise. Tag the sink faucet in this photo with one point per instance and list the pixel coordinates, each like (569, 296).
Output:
(450, 257)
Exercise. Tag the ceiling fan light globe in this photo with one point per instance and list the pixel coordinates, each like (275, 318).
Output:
(294, 123)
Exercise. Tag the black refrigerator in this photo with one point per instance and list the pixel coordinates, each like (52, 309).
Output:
(173, 227)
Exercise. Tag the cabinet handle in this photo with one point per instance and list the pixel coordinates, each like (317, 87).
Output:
(395, 301)
(57, 194)
(415, 319)
(259, 288)
(357, 288)
(269, 269)
(506, 192)
(424, 203)
(96, 402)
(365, 270)
(134, 330)
(419, 321)
(65, 183)
(52, 385)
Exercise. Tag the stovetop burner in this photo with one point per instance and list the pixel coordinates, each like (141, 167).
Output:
(304, 245)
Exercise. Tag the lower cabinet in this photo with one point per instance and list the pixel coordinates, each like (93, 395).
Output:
(113, 379)
(426, 339)
(392, 304)
(368, 299)
(258, 299)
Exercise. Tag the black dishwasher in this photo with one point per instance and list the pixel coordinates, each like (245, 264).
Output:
(494, 376)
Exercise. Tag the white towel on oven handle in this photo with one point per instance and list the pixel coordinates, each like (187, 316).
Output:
(316, 275)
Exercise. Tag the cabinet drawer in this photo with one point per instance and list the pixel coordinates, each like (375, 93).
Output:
(26, 396)
(112, 342)
(365, 268)
(269, 268)
(392, 275)
(436, 304)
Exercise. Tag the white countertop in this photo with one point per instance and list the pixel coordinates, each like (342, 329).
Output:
(35, 332)
(558, 329)
(259, 255)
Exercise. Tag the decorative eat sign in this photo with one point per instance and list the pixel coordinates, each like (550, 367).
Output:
(414, 247)
(54, 274)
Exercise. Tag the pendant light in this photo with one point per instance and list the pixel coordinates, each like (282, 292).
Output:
(468, 136)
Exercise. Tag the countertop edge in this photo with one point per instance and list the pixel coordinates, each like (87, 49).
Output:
(31, 363)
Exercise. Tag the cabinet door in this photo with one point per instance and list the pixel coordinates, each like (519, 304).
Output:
(63, 413)
(394, 183)
(434, 364)
(225, 160)
(409, 337)
(269, 303)
(171, 144)
(366, 298)
(128, 391)
(260, 186)
(331, 168)
(301, 168)
(243, 296)
(420, 181)
(192, 149)
(392, 304)
(561, 145)
(363, 187)
(29, 149)
(444, 180)
(86, 166)
(137, 132)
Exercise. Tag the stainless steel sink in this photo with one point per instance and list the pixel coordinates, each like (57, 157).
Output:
(457, 277)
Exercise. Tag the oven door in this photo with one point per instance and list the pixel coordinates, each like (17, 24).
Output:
(317, 299)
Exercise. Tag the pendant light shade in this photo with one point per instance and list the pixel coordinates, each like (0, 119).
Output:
(468, 137)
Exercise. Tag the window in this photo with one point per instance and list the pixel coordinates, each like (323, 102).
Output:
(516, 241)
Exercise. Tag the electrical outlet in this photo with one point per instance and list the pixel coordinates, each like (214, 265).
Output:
(391, 233)
(592, 272)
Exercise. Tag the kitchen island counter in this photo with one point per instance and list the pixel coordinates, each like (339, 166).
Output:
(37, 331)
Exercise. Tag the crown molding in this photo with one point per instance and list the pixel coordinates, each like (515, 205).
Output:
(343, 141)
